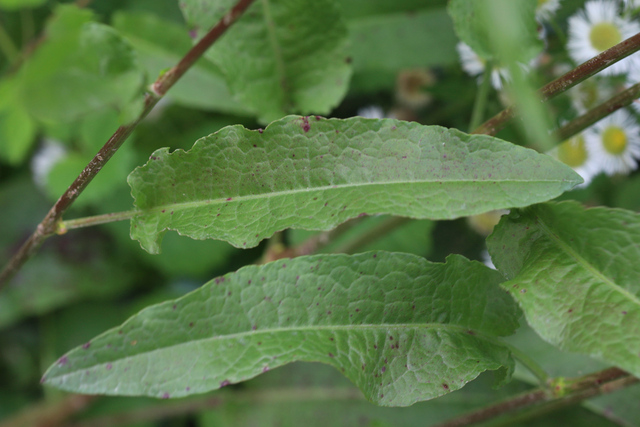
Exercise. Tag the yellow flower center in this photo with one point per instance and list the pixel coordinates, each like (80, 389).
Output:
(604, 35)
(614, 140)
(541, 3)
(573, 152)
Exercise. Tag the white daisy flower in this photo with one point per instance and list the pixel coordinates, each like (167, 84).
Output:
(615, 142)
(575, 153)
(546, 9)
(50, 153)
(598, 28)
(474, 65)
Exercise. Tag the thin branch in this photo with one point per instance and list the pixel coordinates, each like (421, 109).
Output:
(49, 224)
(50, 414)
(567, 81)
(88, 221)
(251, 397)
(382, 229)
(579, 124)
(540, 401)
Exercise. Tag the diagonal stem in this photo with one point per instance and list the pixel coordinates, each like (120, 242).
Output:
(159, 88)
(567, 81)
(541, 400)
(579, 124)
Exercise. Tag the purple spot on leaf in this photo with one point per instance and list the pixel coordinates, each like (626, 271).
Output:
(305, 124)
(165, 396)
(224, 383)
(86, 345)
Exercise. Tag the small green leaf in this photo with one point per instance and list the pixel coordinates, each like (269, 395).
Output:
(82, 66)
(399, 327)
(282, 56)
(576, 275)
(242, 186)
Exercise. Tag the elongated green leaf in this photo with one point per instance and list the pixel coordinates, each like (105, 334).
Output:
(576, 275)
(399, 327)
(242, 186)
(282, 56)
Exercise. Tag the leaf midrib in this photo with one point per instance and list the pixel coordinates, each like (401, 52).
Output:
(403, 326)
(584, 263)
(279, 193)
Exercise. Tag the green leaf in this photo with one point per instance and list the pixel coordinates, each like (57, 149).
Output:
(282, 56)
(576, 275)
(474, 21)
(242, 186)
(388, 43)
(82, 66)
(19, 4)
(17, 129)
(160, 44)
(400, 328)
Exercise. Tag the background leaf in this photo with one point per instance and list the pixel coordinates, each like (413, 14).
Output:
(473, 28)
(282, 56)
(75, 267)
(160, 44)
(399, 327)
(575, 273)
(82, 66)
(241, 186)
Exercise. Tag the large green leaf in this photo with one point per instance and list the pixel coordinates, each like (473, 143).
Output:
(81, 66)
(576, 275)
(242, 185)
(399, 327)
(282, 56)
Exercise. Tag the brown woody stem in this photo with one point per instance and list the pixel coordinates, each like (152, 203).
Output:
(567, 81)
(579, 124)
(540, 401)
(49, 224)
